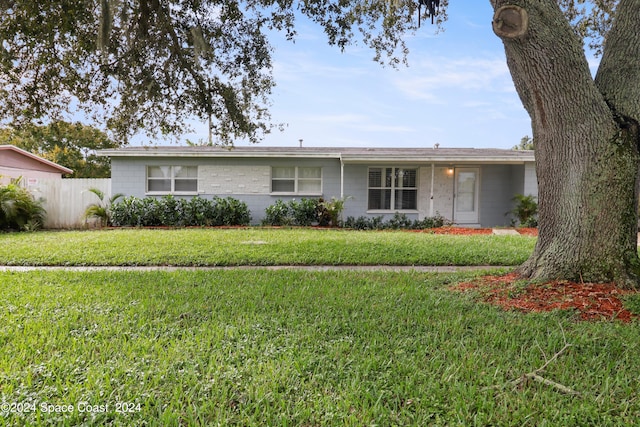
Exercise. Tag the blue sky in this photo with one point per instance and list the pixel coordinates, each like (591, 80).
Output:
(456, 91)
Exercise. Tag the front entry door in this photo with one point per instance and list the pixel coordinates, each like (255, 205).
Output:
(466, 196)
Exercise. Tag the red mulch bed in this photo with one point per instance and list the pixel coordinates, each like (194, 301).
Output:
(527, 231)
(593, 301)
(462, 231)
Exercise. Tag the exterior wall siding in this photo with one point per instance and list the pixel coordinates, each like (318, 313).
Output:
(8, 173)
(14, 160)
(355, 188)
(498, 185)
(530, 180)
(249, 180)
(234, 179)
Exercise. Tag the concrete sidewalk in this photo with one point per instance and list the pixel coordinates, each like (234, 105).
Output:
(417, 268)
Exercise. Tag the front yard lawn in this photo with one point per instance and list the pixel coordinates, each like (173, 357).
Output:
(259, 246)
(255, 348)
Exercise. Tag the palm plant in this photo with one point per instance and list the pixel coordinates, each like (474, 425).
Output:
(18, 208)
(102, 209)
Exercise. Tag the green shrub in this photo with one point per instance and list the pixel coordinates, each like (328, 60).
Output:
(198, 212)
(230, 211)
(330, 210)
(430, 222)
(526, 210)
(364, 223)
(399, 221)
(169, 211)
(121, 213)
(298, 213)
(304, 212)
(19, 210)
(278, 214)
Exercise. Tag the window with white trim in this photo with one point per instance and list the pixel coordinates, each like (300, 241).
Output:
(296, 180)
(172, 179)
(393, 189)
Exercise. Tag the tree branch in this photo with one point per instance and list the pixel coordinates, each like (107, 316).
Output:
(535, 375)
(552, 77)
(618, 76)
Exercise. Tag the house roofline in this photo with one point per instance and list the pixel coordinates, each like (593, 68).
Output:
(25, 153)
(347, 155)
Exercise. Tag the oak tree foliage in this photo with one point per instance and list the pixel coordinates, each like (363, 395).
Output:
(150, 65)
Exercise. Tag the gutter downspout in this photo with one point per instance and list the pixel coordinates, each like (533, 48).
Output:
(341, 177)
(433, 173)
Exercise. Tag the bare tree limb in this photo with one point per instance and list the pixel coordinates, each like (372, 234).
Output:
(534, 375)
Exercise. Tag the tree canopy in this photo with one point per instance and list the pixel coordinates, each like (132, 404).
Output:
(526, 143)
(147, 65)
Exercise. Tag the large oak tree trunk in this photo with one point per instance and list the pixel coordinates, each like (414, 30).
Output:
(586, 140)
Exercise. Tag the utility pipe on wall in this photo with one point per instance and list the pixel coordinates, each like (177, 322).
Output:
(433, 174)
(341, 178)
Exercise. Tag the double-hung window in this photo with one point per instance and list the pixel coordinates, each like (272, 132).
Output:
(172, 179)
(296, 180)
(392, 188)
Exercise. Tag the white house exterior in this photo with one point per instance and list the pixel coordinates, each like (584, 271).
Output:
(471, 187)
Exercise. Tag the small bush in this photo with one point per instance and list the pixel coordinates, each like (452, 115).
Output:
(278, 214)
(297, 213)
(304, 212)
(329, 211)
(169, 211)
(399, 221)
(364, 223)
(526, 210)
(230, 211)
(430, 222)
(19, 210)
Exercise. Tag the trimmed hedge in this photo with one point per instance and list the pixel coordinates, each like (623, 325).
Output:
(398, 222)
(169, 211)
(303, 213)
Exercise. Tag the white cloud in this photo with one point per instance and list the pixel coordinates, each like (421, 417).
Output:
(436, 76)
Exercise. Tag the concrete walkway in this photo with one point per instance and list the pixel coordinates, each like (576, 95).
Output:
(417, 268)
(505, 232)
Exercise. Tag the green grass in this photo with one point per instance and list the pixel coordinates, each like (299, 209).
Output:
(186, 247)
(292, 348)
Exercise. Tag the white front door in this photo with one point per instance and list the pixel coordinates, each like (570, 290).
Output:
(466, 196)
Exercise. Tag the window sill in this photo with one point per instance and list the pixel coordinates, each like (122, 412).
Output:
(162, 193)
(297, 194)
(391, 211)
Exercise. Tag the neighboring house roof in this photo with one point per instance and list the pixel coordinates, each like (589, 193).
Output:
(36, 163)
(347, 155)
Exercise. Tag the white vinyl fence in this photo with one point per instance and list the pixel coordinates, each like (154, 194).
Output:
(66, 200)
